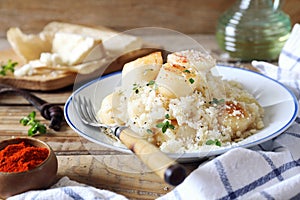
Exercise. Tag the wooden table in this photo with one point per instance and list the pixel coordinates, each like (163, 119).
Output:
(82, 160)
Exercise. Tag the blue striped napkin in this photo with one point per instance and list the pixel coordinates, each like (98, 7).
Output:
(268, 171)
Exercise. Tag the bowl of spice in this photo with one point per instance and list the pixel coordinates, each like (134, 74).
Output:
(25, 164)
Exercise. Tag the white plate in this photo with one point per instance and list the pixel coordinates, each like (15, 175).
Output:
(280, 106)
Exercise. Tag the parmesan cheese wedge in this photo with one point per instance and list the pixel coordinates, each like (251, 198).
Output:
(62, 46)
(28, 47)
(114, 43)
(73, 48)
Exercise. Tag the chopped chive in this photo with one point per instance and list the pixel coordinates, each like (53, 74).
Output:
(191, 80)
(152, 82)
(216, 101)
(213, 142)
(149, 131)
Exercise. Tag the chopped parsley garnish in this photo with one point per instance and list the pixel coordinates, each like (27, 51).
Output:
(152, 82)
(136, 88)
(191, 80)
(149, 131)
(165, 125)
(35, 124)
(216, 101)
(10, 66)
(213, 142)
(187, 71)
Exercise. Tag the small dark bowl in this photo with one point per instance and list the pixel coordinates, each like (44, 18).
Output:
(40, 177)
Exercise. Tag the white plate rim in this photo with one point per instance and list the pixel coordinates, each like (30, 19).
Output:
(186, 156)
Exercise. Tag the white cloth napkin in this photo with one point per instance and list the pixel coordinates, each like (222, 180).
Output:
(66, 189)
(267, 171)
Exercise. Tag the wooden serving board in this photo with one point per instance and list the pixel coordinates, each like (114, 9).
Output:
(48, 82)
(43, 82)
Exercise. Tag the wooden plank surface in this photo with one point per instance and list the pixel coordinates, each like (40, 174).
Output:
(129, 178)
(192, 16)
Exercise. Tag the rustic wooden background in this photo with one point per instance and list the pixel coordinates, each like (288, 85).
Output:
(188, 16)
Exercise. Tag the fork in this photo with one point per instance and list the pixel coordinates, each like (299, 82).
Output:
(166, 168)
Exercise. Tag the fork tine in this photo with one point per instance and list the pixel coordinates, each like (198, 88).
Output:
(86, 110)
(83, 108)
(89, 110)
(92, 110)
(79, 108)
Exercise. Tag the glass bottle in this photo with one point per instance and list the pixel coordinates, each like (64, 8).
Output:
(253, 30)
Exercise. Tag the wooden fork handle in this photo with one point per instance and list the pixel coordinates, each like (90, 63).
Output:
(165, 167)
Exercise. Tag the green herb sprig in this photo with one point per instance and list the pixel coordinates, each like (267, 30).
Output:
(165, 125)
(36, 126)
(213, 142)
(10, 66)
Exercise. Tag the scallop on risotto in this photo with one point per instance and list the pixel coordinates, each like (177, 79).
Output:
(180, 106)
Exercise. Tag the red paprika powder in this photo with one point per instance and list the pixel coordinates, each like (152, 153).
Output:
(21, 157)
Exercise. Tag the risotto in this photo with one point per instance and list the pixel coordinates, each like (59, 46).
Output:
(180, 106)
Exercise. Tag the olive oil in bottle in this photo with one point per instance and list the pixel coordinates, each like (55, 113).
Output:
(253, 30)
